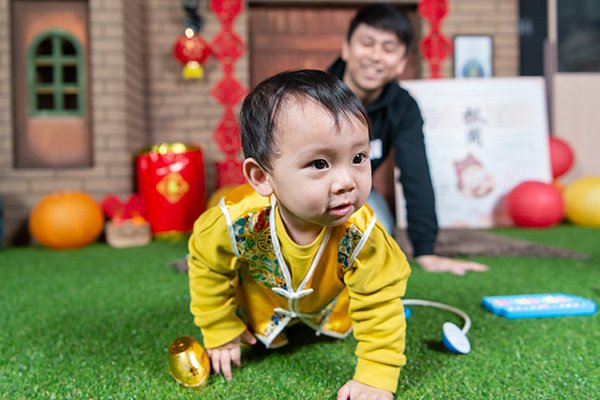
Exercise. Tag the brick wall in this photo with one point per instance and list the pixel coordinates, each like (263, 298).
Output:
(116, 51)
(135, 75)
(139, 97)
(6, 142)
(498, 18)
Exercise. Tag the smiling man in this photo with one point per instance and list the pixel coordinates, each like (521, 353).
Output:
(374, 54)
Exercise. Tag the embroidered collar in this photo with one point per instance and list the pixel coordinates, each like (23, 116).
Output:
(289, 292)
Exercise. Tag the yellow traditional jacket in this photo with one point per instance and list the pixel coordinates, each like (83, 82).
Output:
(246, 272)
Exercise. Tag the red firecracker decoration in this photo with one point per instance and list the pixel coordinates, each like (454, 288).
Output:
(435, 46)
(227, 48)
(192, 51)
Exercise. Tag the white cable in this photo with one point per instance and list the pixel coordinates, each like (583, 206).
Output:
(417, 302)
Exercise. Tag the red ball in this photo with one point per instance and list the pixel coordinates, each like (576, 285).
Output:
(535, 204)
(561, 156)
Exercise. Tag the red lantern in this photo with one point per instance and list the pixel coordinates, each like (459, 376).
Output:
(561, 156)
(192, 51)
(535, 204)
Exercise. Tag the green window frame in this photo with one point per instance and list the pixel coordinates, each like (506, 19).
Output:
(55, 75)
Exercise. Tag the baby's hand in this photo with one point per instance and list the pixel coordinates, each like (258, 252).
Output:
(222, 356)
(354, 390)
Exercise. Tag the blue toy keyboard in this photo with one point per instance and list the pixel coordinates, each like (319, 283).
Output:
(539, 305)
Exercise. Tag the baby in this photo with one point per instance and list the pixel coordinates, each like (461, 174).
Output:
(297, 243)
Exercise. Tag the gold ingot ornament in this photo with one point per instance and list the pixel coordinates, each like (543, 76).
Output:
(188, 362)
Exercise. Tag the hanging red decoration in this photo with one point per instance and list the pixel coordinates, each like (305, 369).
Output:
(433, 10)
(226, 10)
(435, 46)
(228, 47)
(227, 134)
(192, 51)
(229, 172)
(228, 91)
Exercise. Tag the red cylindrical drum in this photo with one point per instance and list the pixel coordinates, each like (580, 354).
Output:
(171, 180)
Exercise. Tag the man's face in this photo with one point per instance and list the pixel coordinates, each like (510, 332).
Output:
(373, 58)
(321, 174)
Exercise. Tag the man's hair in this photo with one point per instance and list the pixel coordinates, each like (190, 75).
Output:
(260, 109)
(384, 17)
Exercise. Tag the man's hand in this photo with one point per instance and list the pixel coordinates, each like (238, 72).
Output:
(222, 356)
(433, 263)
(354, 390)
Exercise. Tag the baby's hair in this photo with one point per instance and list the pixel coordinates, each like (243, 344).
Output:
(386, 17)
(261, 107)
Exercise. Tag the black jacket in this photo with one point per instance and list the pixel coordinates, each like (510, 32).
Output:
(396, 121)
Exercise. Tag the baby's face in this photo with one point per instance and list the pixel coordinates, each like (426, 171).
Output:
(322, 175)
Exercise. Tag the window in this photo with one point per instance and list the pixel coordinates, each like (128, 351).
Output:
(578, 36)
(55, 75)
(52, 110)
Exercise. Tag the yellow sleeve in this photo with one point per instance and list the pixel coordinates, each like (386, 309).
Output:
(212, 271)
(375, 283)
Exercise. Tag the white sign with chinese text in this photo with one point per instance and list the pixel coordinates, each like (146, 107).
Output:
(483, 137)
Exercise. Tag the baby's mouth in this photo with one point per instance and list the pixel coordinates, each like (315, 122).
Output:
(342, 209)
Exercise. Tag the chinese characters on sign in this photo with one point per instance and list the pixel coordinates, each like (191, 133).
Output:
(483, 137)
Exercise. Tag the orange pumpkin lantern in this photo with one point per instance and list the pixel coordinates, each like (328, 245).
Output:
(65, 220)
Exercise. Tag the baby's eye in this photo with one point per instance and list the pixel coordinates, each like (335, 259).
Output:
(359, 158)
(320, 164)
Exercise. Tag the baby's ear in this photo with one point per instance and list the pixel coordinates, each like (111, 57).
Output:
(257, 177)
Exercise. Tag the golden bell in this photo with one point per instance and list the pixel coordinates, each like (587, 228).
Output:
(188, 362)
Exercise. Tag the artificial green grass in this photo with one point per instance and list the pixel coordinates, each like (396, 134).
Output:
(96, 322)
